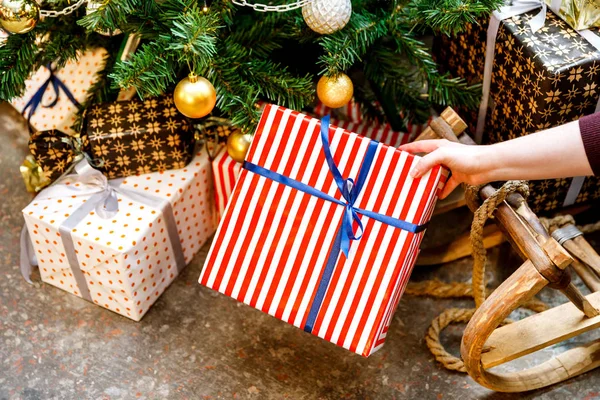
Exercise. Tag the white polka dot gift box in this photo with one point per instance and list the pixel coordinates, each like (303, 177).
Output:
(322, 229)
(52, 97)
(119, 243)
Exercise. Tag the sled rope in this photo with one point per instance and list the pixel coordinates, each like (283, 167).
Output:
(477, 290)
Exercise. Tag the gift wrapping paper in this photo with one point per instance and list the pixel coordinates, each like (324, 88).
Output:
(539, 80)
(226, 170)
(274, 242)
(350, 118)
(129, 259)
(54, 152)
(579, 14)
(139, 136)
(78, 76)
(225, 174)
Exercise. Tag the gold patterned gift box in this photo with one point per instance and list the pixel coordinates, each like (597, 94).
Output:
(538, 80)
(121, 259)
(139, 136)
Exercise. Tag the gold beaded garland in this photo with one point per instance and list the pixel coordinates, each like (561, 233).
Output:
(19, 16)
(195, 96)
(335, 92)
(238, 145)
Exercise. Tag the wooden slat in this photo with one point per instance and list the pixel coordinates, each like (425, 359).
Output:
(538, 331)
(460, 247)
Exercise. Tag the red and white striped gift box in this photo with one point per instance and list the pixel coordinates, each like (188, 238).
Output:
(225, 173)
(382, 132)
(353, 121)
(272, 245)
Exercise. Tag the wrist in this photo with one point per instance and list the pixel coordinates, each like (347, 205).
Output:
(489, 163)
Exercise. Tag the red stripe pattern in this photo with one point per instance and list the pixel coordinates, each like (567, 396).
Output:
(225, 173)
(273, 241)
(354, 122)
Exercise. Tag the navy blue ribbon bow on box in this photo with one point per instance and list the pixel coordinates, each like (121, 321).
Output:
(57, 85)
(350, 191)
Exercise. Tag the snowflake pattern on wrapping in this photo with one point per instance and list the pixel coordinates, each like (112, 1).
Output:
(539, 80)
(139, 136)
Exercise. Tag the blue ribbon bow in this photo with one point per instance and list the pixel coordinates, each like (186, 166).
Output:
(350, 191)
(57, 85)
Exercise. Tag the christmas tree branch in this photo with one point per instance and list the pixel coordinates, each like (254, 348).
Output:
(147, 71)
(17, 60)
(447, 16)
(344, 48)
(441, 89)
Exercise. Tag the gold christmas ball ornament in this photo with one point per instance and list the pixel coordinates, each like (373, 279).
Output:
(195, 96)
(19, 16)
(335, 92)
(238, 145)
(327, 16)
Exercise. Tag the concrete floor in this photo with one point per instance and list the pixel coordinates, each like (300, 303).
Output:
(196, 344)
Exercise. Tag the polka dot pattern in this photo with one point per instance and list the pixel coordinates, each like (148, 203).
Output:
(78, 76)
(126, 260)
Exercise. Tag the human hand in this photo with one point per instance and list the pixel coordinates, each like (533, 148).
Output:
(469, 164)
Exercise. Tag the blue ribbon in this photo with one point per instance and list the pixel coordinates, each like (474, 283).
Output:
(57, 85)
(350, 191)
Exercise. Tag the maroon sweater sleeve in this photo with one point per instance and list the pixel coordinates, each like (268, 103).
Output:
(590, 134)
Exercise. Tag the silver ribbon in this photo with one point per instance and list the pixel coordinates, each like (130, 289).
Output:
(105, 203)
(574, 189)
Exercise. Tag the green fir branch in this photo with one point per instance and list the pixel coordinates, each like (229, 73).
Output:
(448, 17)
(149, 73)
(442, 89)
(110, 16)
(345, 47)
(17, 61)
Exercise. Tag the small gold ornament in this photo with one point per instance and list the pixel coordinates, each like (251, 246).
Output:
(195, 96)
(19, 16)
(335, 92)
(238, 145)
(33, 175)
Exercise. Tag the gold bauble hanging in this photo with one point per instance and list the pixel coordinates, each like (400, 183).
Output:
(238, 145)
(335, 92)
(19, 16)
(195, 96)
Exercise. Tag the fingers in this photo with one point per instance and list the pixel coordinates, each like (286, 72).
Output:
(449, 187)
(427, 162)
(423, 146)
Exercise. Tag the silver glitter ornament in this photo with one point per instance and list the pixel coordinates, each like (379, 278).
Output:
(327, 16)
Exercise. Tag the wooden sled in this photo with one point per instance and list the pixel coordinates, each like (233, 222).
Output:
(548, 261)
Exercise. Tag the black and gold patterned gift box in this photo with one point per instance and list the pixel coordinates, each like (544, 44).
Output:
(539, 80)
(139, 136)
